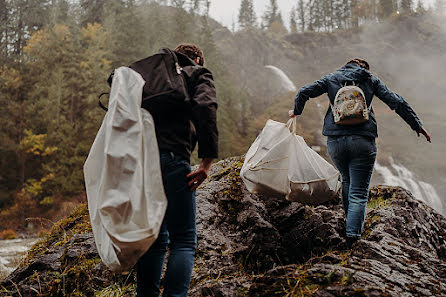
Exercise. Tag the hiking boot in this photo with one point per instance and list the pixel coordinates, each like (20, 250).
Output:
(350, 241)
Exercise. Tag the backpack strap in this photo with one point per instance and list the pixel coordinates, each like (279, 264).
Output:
(175, 58)
(100, 103)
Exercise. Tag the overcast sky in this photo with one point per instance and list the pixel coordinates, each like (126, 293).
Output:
(226, 11)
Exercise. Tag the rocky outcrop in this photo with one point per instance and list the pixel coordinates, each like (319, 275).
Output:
(249, 245)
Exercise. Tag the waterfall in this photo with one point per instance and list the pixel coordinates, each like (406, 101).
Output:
(398, 175)
(286, 85)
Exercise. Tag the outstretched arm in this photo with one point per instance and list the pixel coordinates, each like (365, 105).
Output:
(425, 133)
(400, 106)
(313, 90)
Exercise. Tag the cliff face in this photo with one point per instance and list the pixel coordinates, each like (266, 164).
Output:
(250, 245)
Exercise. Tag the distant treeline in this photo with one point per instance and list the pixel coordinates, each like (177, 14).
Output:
(329, 15)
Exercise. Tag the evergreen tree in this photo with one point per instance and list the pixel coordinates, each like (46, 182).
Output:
(387, 7)
(247, 16)
(420, 6)
(206, 40)
(4, 31)
(301, 15)
(122, 22)
(24, 18)
(181, 27)
(293, 22)
(406, 6)
(92, 11)
(272, 14)
(59, 12)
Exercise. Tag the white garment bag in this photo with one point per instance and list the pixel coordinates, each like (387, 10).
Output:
(280, 163)
(126, 198)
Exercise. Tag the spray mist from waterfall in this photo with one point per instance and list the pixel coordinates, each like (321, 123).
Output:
(398, 175)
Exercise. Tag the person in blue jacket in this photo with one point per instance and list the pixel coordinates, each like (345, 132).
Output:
(352, 148)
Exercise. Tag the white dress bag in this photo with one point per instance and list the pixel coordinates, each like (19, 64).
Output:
(126, 198)
(280, 163)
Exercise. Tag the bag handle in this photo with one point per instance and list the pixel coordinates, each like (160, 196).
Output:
(292, 124)
(100, 103)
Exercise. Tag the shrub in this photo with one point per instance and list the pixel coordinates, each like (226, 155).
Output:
(8, 234)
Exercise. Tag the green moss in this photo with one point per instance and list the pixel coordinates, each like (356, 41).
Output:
(74, 276)
(298, 282)
(379, 202)
(371, 220)
(77, 223)
(116, 290)
(347, 279)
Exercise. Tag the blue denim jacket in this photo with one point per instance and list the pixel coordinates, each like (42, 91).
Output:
(370, 84)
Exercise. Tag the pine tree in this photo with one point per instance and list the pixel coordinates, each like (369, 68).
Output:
(25, 17)
(293, 22)
(271, 15)
(387, 7)
(122, 22)
(301, 15)
(59, 12)
(92, 11)
(420, 6)
(206, 40)
(181, 28)
(406, 6)
(247, 16)
(4, 31)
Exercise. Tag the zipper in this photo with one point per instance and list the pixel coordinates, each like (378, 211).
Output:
(178, 67)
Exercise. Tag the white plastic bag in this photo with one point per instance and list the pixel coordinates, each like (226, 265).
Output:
(279, 162)
(126, 198)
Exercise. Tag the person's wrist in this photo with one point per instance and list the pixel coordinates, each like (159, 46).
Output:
(206, 164)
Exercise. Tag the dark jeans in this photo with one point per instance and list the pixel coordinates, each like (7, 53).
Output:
(354, 156)
(179, 229)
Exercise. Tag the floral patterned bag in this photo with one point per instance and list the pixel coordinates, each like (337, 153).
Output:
(350, 107)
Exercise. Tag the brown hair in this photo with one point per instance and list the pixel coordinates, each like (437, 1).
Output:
(360, 62)
(192, 51)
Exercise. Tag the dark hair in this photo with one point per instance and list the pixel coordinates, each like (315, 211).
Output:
(360, 62)
(192, 51)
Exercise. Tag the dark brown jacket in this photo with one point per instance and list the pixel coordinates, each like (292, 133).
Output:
(184, 123)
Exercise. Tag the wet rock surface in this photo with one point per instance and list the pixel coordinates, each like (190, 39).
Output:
(249, 245)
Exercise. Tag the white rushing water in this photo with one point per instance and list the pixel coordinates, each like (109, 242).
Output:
(286, 85)
(11, 252)
(398, 175)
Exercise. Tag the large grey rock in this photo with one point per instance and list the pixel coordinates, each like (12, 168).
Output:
(249, 245)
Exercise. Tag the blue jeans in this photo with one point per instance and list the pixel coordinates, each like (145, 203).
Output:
(354, 156)
(178, 228)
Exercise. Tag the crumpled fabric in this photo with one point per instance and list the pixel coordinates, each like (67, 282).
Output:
(125, 192)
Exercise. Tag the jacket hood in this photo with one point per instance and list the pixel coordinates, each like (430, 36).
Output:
(354, 72)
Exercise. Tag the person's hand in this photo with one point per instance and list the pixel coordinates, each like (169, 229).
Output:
(424, 132)
(197, 177)
(291, 113)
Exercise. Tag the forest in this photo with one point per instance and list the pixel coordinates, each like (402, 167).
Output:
(56, 55)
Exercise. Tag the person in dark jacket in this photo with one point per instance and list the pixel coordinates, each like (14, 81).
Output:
(352, 148)
(178, 129)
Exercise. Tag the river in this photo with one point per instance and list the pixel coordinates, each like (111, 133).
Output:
(11, 254)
